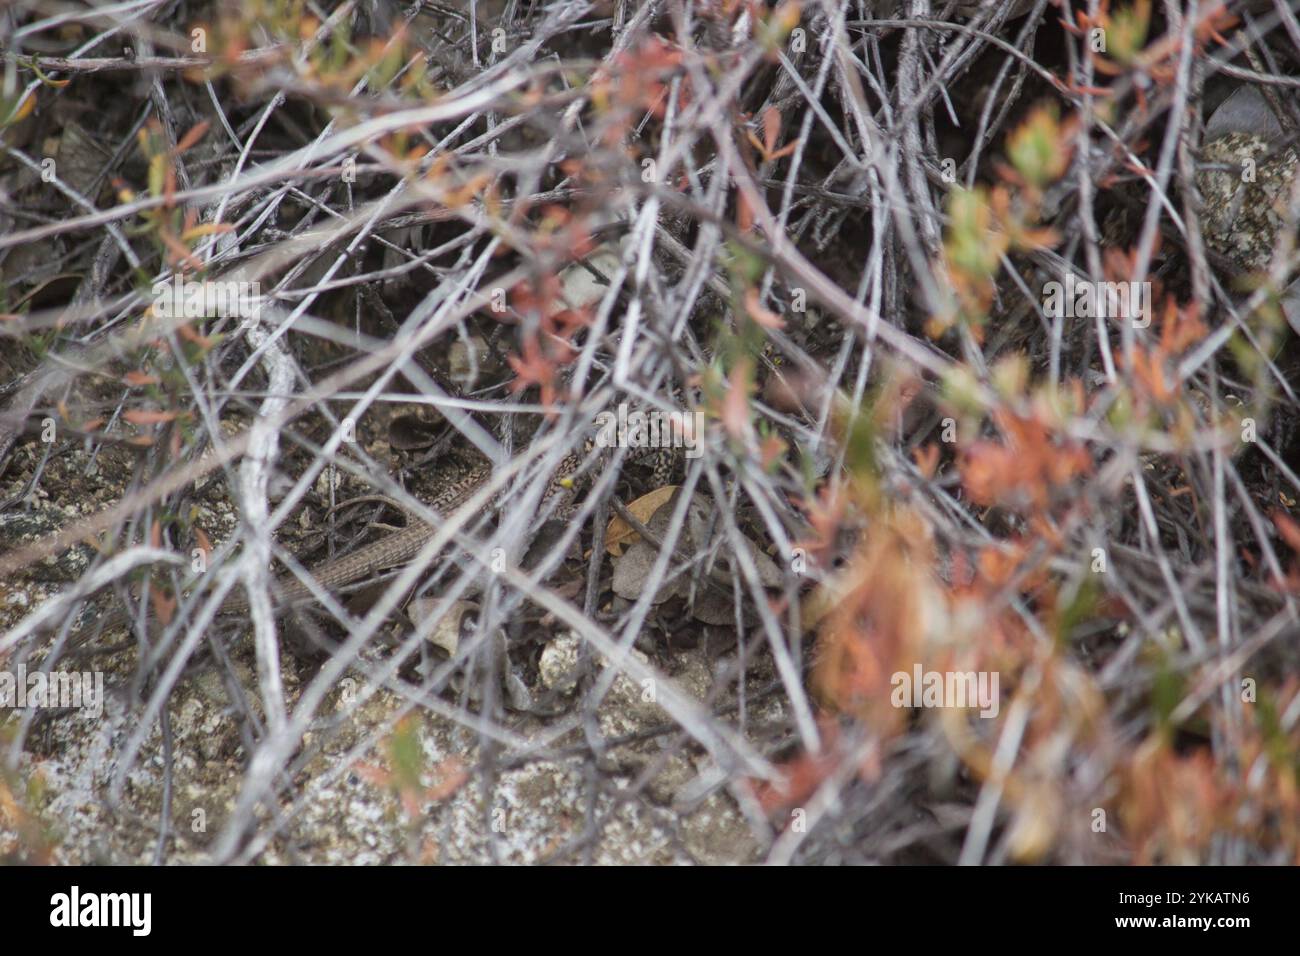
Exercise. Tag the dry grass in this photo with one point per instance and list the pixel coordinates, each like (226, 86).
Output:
(826, 226)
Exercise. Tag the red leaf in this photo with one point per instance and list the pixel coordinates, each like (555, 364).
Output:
(190, 138)
(771, 129)
(735, 406)
(764, 317)
(145, 416)
(1288, 529)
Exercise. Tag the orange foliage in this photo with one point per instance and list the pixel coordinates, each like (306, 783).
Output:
(1027, 471)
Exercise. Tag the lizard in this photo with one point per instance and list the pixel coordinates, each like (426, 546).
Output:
(391, 550)
(399, 547)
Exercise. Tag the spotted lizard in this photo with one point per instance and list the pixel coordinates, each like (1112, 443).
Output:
(399, 547)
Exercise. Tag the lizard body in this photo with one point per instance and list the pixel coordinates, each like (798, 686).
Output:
(399, 547)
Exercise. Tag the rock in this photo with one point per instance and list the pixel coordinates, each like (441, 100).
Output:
(580, 287)
(558, 666)
(451, 627)
(1245, 204)
(717, 833)
(1242, 217)
(630, 707)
